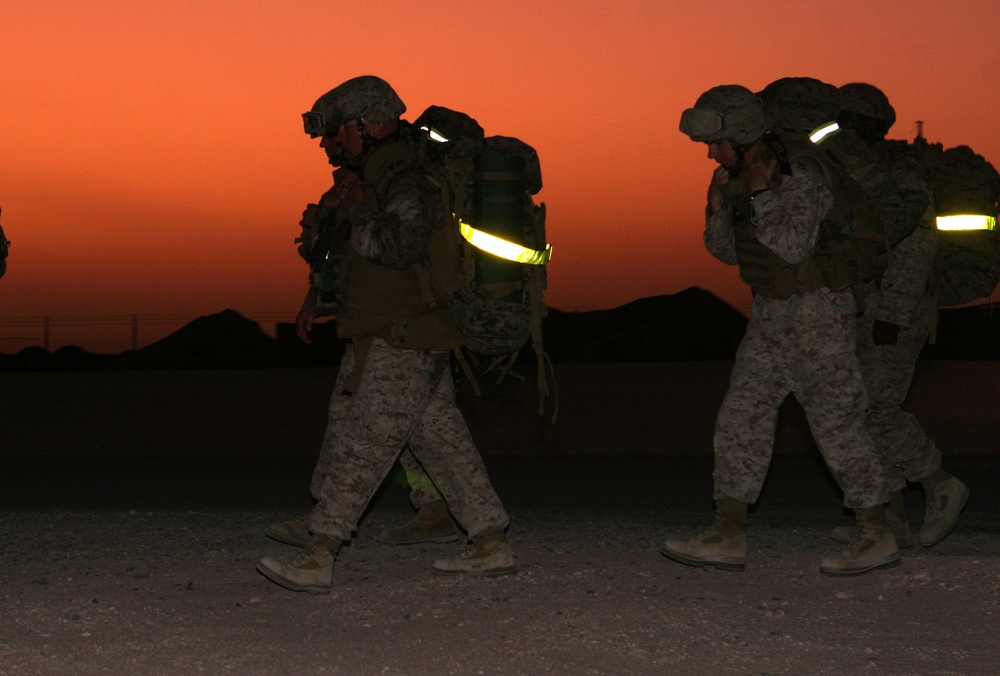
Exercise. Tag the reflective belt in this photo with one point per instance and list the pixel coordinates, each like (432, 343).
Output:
(502, 248)
(967, 222)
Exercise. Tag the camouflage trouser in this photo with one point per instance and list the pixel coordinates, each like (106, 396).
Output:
(907, 453)
(422, 490)
(405, 396)
(803, 346)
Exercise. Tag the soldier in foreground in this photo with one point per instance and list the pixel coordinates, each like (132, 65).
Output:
(433, 522)
(800, 338)
(398, 378)
(895, 325)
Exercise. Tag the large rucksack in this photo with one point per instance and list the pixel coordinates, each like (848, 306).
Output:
(854, 237)
(966, 193)
(487, 184)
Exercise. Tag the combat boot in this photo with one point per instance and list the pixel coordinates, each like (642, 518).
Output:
(432, 523)
(895, 518)
(294, 533)
(489, 554)
(872, 547)
(724, 545)
(946, 498)
(310, 570)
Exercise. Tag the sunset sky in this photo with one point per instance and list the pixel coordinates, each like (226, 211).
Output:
(152, 159)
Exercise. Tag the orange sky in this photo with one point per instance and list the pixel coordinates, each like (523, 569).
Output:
(152, 159)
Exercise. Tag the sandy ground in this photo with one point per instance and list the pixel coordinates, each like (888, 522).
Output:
(144, 562)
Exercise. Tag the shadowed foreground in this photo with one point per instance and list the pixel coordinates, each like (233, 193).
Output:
(146, 565)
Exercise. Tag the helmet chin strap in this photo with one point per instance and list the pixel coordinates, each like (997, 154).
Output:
(367, 143)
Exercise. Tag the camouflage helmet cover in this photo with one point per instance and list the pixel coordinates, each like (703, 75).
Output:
(728, 112)
(867, 100)
(366, 97)
(800, 103)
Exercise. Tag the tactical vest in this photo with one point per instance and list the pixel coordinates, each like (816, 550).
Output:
(407, 308)
(850, 249)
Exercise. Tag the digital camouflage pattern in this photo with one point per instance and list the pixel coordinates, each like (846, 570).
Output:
(422, 490)
(803, 345)
(868, 100)
(728, 112)
(405, 397)
(905, 297)
(968, 263)
(799, 104)
(907, 453)
(367, 98)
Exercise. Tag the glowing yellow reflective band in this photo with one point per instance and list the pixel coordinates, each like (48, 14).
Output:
(820, 133)
(435, 135)
(502, 248)
(966, 222)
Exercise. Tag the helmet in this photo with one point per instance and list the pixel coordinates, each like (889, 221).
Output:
(725, 112)
(366, 97)
(868, 100)
(800, 103)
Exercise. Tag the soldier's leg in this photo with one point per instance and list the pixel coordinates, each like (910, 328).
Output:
(296, 531)
(831, 390)
(743, 442)
(442, 443)
(392, 394)
(432, 522)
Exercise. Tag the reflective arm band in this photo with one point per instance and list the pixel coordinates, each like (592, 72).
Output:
(502, 248)
(966, 222)
(434, 135)
(819, 133)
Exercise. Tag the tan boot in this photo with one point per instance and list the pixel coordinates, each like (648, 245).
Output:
(488, 555)
(294, 533)
(873, 546)
(946, 498)
(895, 518)
(724, 545)
(432, 523)
(311, 570)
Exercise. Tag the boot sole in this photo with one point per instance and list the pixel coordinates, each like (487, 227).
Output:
(954, 522)
(439, 540)
(890, 561)
(494, 572)
(722, 564)
(289, 584)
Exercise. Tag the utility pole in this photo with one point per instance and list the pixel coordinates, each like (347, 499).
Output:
(920, 128)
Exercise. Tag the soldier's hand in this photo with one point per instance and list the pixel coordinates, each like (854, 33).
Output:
(309, 214)
(719, 179)
(303, 325)
(885, 333)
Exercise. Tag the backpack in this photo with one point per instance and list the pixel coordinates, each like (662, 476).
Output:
(854, 238)
(487, 185)
(967, 264)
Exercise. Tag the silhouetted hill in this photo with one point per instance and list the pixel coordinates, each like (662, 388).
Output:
(691, 325)
(222, 339)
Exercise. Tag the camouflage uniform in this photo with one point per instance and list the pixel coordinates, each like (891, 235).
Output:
(404, 396)
(422, 490)
(803, 345)
(904, 298)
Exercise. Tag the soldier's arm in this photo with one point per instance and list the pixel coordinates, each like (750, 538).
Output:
(397, 235)
(788, 217)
